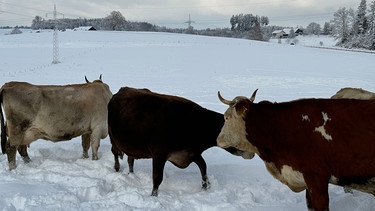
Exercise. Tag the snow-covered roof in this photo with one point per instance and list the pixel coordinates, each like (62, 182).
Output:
(85, 28)
(277, 31)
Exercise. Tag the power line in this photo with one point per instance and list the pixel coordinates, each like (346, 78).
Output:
(14, 13)
(164, 7)
(20, 6)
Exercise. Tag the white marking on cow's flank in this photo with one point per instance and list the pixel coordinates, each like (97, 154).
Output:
(294, 178)
(305, 118)
(321, 128)
(325, 117)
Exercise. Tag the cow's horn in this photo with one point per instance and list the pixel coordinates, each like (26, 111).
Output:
(87, 81)
(227, 102)
(252, 98)
(100, 77)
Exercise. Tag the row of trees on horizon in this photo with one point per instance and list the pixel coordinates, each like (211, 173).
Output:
(352, 28)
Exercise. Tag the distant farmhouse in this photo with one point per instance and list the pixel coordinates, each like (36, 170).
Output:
(284, 33)
(85, 28)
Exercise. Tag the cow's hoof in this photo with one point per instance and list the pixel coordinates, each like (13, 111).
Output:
(85, 156)
(26, 159)
(206, 185)
(95, 157)
(12, 165)
(154, 193)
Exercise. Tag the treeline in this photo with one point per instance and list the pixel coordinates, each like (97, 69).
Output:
(114, 21)
(245, 26)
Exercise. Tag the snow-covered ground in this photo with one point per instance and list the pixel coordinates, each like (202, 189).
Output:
(193, 67)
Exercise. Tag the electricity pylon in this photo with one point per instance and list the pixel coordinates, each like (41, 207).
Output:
(55, 36)
(189, 22)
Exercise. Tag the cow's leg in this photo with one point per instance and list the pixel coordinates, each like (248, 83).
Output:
(203, 168)
(308, 200)
(22, 150)
(158, 164)
(95, 143)
(85, 145)
(11, 154)
(115, 153)
(317, 197)
(131, 164)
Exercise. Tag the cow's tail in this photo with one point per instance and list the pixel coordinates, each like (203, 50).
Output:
(3, 127)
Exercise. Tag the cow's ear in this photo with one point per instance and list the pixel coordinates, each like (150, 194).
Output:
(242, 107)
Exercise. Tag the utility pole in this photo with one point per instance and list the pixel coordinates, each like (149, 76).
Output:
(55, 36)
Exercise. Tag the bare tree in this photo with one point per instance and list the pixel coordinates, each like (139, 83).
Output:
(16, 30)
(327, 29)
(256, 33)
(37, 23)
(341, 23)
(264, 21)
(313, 28)
(115, 21)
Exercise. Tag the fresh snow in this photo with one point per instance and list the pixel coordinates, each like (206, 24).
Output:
(194, 67)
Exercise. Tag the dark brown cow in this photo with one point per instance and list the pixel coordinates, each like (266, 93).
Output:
(307, 143)
(53, 113)
(143, 124)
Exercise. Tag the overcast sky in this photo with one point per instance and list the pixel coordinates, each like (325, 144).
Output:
(174, 13)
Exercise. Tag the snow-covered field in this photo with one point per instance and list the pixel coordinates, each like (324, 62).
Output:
(193, 67)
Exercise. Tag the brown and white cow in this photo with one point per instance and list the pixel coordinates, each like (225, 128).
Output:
(354, 93)
(307, 143)
(54, 113)
(144, 124)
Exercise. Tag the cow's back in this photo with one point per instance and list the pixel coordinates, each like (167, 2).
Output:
(140, 120)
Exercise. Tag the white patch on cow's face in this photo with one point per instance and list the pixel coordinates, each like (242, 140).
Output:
(233, 133)
(305, 118)
(287, 175)
(321, 128)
